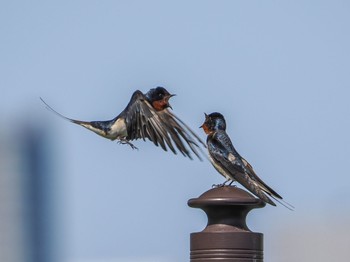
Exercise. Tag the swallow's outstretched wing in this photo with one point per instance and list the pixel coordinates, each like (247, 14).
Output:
(227, 159)
(161, 127)
(181, 134)
(140, 120)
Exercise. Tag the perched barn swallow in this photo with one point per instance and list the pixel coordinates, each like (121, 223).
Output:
(228, 162)
(146, 116)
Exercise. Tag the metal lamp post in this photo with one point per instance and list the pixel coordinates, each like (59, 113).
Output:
(226, 237)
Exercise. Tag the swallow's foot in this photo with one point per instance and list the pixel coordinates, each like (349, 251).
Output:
(126, 142)
(224, 184)
(230, 184)
(132, 146)
(218, 185)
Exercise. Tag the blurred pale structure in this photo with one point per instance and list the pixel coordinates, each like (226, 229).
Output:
(13, 233)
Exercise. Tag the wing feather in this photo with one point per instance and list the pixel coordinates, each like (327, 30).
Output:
(252, 173)
(234, 166)
(181, 134)
(161, 127)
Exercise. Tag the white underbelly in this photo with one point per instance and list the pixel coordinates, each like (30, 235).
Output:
(220, 170)
(118, 130)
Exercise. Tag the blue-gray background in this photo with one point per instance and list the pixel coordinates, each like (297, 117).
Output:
(277, 70)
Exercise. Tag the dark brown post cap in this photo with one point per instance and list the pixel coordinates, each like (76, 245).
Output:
(226, 236)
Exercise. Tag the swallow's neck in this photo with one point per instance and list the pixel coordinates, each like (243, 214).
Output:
(220, 125)
(160, 105)
(207, 129)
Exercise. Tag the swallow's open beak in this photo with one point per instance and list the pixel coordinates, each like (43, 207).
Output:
(206, 116)
(202, 126)
(166, 98)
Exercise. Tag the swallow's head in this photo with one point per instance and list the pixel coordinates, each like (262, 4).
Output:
(214, 121)
(159, 98)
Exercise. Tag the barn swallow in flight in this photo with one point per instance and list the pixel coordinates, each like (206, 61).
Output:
(228, 162)
(146, 116)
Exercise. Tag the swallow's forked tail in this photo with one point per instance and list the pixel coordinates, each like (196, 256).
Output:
(262, 191)
(78, 122)
(283, 203)
(254, 187)
(269, 191)
(60, 115)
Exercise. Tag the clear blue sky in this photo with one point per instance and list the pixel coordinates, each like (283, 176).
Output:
(277, 70)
